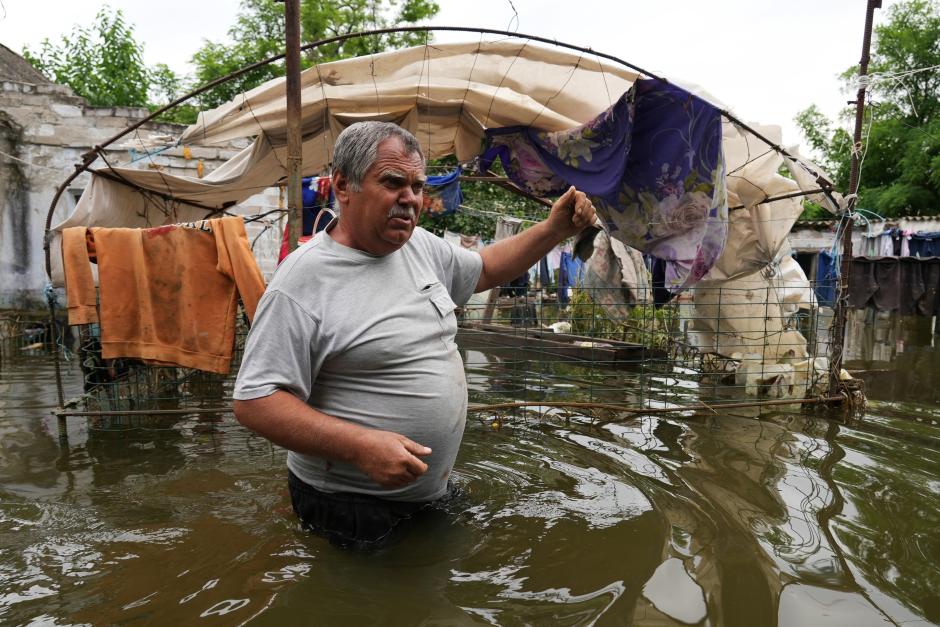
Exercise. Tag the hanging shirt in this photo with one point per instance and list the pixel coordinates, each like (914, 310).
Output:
(827, 278)
(929, 303)
(317, 212)
(652, 164)
(569, 275)
(167, 294)
(906, 243)
(887, 244)
(506, 227)
(925, 244)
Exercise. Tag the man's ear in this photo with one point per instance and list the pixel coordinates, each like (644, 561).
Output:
(341, 187)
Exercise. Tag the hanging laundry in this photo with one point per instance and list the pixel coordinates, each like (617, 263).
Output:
(554, 264)
(862, 283)
(907, 285)
(442, 194)
(317, 199)
(317, 212)
(888, 279)
(929, 303)
(516, 287)
(166, 295)
(911, 286)
(906, 243)
(614, 275)
(569, 275)
(471, 242)
(506, 227)
(887, 243)
(653, 166)
(546, 278)
(658, 285)
(925, 244)
(827, 278)
(870, 245)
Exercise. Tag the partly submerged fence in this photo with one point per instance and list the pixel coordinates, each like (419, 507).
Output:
(601, 353)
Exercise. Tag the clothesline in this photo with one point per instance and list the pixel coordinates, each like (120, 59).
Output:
(492, 215)
(30, 163)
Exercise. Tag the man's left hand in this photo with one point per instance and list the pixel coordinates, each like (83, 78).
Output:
(571, 213)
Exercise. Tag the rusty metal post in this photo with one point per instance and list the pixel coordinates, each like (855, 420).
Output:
(294, 137)
(838, 331)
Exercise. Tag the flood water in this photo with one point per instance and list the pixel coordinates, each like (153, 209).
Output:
(735, 518)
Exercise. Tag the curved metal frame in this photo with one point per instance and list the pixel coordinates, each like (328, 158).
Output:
(89, 157)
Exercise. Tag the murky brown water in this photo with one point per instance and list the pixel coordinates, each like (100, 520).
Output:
(741, 519)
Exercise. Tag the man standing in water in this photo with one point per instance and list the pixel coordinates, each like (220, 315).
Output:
(351, 363)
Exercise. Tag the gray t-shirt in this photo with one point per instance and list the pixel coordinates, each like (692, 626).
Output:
(369, 340)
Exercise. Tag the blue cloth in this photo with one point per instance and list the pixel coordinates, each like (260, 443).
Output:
(925, 244)
(312, 204)
(444, 193)
(545, 275)
(652, 164)
(517, 287)
(827, 278)
(568, 276)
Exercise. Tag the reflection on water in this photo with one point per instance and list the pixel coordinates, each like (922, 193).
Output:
(750, 519)
(897, 356)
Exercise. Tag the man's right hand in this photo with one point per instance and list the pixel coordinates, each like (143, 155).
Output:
(390, 459)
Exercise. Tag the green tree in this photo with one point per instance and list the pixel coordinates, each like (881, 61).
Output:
(165, 87)
(102, 63)
(258, 33)
(901, 138)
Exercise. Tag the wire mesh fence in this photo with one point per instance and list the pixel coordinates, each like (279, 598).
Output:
(132, 393)
(711, 346)
(26, 333)
(593, 351)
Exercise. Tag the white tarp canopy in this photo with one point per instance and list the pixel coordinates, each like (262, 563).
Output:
(447, 95)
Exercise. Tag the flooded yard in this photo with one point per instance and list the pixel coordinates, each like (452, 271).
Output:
(741, 517)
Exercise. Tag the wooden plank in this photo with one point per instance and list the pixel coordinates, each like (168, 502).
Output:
(547, 334)
(601, 356)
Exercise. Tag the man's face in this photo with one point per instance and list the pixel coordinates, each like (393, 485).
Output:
(381, 217)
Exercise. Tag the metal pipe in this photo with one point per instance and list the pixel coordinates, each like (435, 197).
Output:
(655, 410)
(841, 313)
(294, 137)
(62, 413)
(493, 407)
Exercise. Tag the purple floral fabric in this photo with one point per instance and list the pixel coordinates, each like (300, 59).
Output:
(652, 164)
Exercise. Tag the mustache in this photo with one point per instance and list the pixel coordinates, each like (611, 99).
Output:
(400, 211)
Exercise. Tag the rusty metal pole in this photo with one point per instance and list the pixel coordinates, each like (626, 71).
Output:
(294, 137)
(838, 332)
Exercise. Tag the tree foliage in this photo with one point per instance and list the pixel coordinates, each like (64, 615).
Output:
(102, 63)
(258, 33)
(901, 138)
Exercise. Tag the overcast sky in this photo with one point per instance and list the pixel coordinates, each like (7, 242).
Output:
(764, 59)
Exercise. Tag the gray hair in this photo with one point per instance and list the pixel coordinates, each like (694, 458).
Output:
(357, 148)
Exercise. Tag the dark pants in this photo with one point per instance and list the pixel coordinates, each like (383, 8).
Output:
(350, 520)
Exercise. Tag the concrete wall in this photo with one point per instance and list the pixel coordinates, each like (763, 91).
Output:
(44, 130)
(806, 238)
